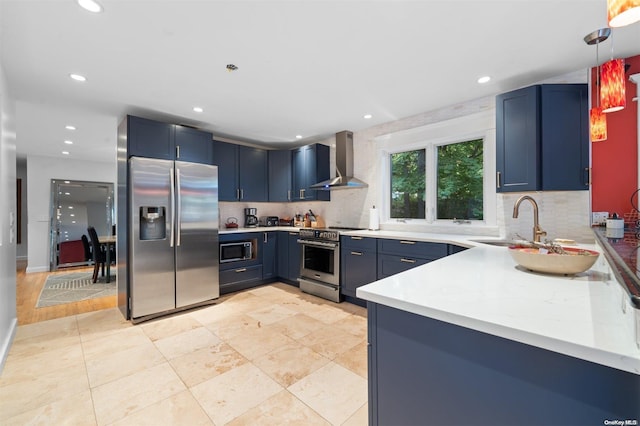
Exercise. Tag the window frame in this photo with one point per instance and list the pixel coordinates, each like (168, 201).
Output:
(429, 137)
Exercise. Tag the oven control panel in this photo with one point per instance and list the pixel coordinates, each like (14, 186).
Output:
(320, 234)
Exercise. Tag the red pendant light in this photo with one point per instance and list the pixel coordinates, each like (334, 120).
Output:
(597, 124)
(622, 12)
(612, 89)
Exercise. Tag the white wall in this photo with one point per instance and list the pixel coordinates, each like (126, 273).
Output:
(8, 316)
(40, 171)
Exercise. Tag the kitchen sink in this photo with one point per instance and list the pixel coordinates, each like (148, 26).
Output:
(497, 243)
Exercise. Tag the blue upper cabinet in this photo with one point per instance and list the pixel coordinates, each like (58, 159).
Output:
(542, 140)
(253, 174)
(565, 137)
(193, 145)
(518, 140)
(242, 172)
(279, 175)
(310, 165)
(155, 139)
(225, 156)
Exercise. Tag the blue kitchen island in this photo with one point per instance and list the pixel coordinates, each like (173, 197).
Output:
(474, 339)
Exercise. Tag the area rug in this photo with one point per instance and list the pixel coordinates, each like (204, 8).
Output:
(74, 287)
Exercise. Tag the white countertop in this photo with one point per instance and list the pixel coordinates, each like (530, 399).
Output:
(485, 290)
(223, 230)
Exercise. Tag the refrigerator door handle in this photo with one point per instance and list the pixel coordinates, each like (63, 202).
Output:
(173, 206)
(179, 210)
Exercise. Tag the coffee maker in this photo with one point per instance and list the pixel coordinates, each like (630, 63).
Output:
(250, 217)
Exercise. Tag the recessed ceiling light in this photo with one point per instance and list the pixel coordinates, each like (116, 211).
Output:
(65, 152)
(367, 116)
(72, 215)
(68, 142)
(484, 79)
(78, 77)
(90, 5)
(298, 136)
(198, 109)
(70, 127)
(67, 193)
(73, 221)
(67, 181)
(70, 207)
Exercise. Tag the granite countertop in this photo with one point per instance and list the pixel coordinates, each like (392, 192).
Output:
(587, 316)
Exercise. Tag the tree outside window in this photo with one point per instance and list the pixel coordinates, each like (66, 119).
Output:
(460, 173)
(408, 184)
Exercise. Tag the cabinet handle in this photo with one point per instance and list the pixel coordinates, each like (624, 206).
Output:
(588, 170)
(265, 239)
(407, 242)
(238, 194)
(302, 194)
(242, 194)
(498, 176)
(356, 253)
(356, 238)
(241, 270)
(177, 151)
(288, 195)
(407, 260)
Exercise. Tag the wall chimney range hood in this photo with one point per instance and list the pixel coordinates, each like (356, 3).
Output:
(344, 166)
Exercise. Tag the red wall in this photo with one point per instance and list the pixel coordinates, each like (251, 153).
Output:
(614, 161)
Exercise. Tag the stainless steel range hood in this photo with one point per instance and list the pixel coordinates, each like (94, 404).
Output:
(344, 166)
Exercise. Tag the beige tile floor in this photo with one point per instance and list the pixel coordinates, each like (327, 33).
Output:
(267, 356)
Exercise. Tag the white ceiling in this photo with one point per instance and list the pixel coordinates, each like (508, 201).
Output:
(307, 68)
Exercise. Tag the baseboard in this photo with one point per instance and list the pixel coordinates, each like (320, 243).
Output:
(37, 269)
(6, 344)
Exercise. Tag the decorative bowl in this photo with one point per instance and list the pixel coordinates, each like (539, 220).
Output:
(573, 262)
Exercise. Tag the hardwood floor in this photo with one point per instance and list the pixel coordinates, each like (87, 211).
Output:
(29, 286)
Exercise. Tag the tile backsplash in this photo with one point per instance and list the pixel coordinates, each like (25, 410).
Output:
(563, 214)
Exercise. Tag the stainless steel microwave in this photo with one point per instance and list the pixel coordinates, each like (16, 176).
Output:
(236, 251)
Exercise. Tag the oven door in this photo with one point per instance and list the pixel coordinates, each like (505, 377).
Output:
(320, 261)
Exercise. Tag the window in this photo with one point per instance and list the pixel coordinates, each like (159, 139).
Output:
(460, 173)
(408, 184)
(436, 173)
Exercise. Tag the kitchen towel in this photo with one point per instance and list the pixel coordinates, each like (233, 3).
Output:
(374, 219)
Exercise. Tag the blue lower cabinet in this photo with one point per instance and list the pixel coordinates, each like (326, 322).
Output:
(391, 264)
(269, 255)
(425, 371)
(241, 274)
(288, 258)
(358, 263)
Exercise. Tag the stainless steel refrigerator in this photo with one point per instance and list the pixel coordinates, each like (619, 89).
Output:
(173, 255)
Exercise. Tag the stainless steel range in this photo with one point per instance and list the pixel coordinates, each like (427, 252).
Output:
(320, 263)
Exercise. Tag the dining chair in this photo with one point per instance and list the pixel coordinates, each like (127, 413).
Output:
(99, 257)
(87, 248)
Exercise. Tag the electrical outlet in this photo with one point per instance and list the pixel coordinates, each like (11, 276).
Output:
(599, 218)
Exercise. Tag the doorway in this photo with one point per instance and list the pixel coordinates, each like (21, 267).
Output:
(75, 205)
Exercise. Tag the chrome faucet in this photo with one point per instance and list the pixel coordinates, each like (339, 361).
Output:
(537, 230)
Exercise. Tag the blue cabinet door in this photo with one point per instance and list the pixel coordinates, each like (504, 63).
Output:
(518, 140)
(295, 252)
(252, 174)
(269, 250)
(225, 156)
(357, 268)
(193, 145)
(279, 175)
(149, 138)
(288, 255)
(565, 137)
(310, 165)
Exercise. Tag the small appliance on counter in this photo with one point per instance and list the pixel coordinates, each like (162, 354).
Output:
(269, 221)
(232, 223)
(250, 218)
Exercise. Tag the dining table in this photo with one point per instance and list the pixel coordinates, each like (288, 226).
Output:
(107, 241)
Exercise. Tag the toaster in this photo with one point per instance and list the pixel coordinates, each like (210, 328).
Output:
(269, 221)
